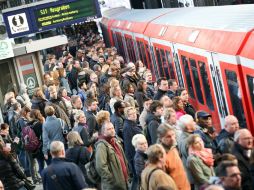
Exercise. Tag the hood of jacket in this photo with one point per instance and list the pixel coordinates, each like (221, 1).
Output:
(151, 117)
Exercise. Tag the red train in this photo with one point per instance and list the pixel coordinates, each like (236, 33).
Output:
(208, 50)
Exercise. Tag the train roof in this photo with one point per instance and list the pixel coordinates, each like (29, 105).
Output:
(231, 18)
(136, 15)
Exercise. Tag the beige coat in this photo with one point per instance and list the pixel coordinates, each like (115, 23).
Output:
(158, 178)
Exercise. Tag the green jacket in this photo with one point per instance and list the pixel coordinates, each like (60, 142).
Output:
(200, 172)
(108, 166)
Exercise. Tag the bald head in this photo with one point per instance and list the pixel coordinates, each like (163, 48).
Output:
(244, 138)
(231, 124)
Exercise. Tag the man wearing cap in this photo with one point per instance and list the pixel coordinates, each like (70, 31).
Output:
(206, 130)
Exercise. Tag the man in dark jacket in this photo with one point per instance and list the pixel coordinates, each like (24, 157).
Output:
(117, 118)
(153, 120)
(130, 128)
(242, 150)
(162, 88)
(73, 76)
(173, 86)
(112, 73)
(150, 91)
(58, 105)
(90, 116)
(61, 174)
(225, 139)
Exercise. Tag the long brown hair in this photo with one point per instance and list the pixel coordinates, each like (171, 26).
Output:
(36, 114)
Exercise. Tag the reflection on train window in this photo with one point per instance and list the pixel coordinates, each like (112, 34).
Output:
(188, 77)
(170, 64)
(235, 97)
(130, 48)
(178, 70)
(196, 80)
(165, 63)
(206, 85)
(149, 58)
(120, 45)
(159, 63)
(143, 52)
(115, 41)
(154, 62)
(250, 81)
(140, 52)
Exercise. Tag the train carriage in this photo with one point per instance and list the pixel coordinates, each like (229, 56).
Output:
(208, 50)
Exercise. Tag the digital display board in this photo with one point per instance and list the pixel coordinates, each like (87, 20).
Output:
(65, 12)
(46, 15)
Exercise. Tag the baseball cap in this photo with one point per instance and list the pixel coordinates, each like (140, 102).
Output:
(203, 114)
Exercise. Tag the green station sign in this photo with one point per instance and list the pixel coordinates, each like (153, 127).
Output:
(68, 11)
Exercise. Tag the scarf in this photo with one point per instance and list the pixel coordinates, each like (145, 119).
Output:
(112, 142)
(205, 155)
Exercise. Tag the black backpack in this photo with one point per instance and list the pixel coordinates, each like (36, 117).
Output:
(91, 171)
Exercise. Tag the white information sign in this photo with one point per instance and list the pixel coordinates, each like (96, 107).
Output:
(6, 50)
(18, 23)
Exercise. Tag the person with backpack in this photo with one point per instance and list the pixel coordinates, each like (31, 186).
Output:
(36, 127)
(111, 164)
(154, 176)
(22, 121)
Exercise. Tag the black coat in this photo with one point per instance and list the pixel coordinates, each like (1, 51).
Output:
(153, 123)
(117, 121)
(139, 162)
(68, 174)
(244, 166)
(11, 174)
(91, 122)
(159, 94)
(84, 134)
(189, 109)
(130, 128)
(225, 141)
(140, 96)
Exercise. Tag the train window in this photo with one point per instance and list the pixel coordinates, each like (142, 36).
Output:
(154, 62)
(149, 58)
(115, 41)
(159, 62)
(130, 47)
(120, 44)
(188, 77)
(143, 51)
(170, 65)
(165, 63)
(235, 97)
(206, 85)
(196, 80)
(178, 71)
(139, 51)
(250, 81)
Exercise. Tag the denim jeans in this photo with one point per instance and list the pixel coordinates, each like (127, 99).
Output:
(24, 162)
(135, 180)
(22, 188)
(41, 164)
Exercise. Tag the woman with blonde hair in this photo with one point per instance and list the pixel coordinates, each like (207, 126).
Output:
(77, 152)
(81, 127)
(200, 161)
(115, 95)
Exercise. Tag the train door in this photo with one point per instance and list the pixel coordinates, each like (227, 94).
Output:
(218, 88)
(177, 66)
(233, 89)
(153, 59)
(130, 45)
(248, 78)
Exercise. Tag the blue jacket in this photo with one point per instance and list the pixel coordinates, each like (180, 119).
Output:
(68, 176)
(51, 131)
(130, 128)
(117, 121)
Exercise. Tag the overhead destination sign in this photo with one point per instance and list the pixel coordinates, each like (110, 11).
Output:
(46, 15)
(66, 12)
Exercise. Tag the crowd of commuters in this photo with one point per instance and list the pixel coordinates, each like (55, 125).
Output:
(96, 108)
